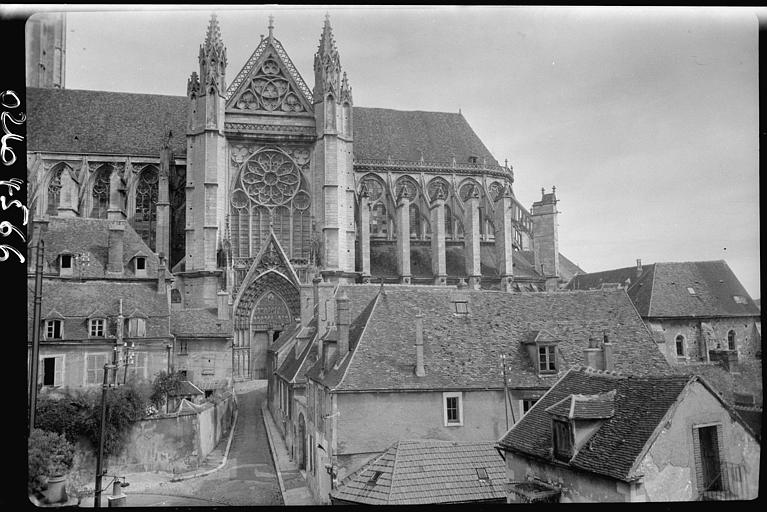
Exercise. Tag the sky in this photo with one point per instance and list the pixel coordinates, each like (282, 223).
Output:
(645, 119)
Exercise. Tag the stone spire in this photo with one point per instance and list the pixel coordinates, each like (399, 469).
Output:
(327, 65)
(346, 90)
(213, 59)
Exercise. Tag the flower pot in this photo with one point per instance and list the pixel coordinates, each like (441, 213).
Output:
(56, 491)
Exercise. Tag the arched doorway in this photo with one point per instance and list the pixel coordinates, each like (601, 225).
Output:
(301, 442)
(265, 308)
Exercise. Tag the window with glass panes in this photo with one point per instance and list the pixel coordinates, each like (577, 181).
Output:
(53, 329)
(547, 358)
(97, 327)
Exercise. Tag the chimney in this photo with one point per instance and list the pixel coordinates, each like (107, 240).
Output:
(420, 371)
(115, 249)
(222, 301)
(639, 268)
(607, 352)
(546, 234)
(161, 289)
(116, 209)
(68, 196)
(593, 355)
(342, 322)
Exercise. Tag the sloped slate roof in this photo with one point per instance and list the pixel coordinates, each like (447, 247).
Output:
(640, 405)
(113, 123)
(423, 472)
(380, 133)
(75, 298)
(464, 352)
(102, 122)
(91, 236)
(199, 322)
(661, 289)
(567, 269)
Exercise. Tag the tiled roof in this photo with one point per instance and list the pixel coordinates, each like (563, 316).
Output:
(661, 290)
(80, 121)
(464, 352)
(746, 378)
(381, 133)
(117, 123)
(753, 417)
(567, 269)
(285, 337)
(78, 299)
(199, 323)
(91, 236)
(185, 388)
(640, 405)
(423, 472)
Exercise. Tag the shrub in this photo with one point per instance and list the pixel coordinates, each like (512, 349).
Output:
(50, 454)
(164, 385)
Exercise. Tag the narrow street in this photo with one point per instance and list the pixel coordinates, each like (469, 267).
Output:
(247, 478)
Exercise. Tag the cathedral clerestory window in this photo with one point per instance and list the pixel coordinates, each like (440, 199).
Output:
(145, 214)
(54, 192)
(101, 193)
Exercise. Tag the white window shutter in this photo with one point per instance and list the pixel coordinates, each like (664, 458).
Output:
(58, 376)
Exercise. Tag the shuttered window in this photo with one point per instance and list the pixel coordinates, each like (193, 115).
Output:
(94, 368)
(563, 445)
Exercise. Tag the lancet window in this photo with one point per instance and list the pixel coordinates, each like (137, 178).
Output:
(54, 191)
(379, 223)
(415, 221)
(101, 193)
(145, 214)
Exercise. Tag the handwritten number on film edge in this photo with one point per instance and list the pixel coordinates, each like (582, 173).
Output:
(9, 99)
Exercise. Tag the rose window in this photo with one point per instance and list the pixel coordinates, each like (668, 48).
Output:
(270, 178)
(438, 189)
(496, 190)
(468, 189)
(374, 188)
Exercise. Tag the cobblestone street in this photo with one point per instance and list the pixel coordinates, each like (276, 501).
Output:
(247, 478)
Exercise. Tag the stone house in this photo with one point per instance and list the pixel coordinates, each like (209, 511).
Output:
(427, 472)
(386, 372)
(103, 290)
(697, 311)
(600, 436)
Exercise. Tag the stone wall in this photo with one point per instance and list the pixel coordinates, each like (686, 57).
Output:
(698, 336)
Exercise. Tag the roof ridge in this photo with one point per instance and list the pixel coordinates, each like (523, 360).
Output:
(652, 290)
(395, 446)
(66, 90)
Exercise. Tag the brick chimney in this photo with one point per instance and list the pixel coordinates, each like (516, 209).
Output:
(116, 209)
(343, 319)
(115, 249)
(420, 371)
(68, 196)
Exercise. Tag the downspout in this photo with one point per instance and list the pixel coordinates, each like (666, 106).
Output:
(333, 439)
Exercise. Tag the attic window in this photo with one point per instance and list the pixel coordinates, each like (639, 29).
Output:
(140, 263)
(66, 261)
(374, 477)
(739, 300)
(691, 291)
(461, 307)
(473, 159)
(547, 360)
(482, 474)
(562, 437)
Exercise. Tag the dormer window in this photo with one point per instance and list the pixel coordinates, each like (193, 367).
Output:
(65, 265)
(96, 327)
(461, 307)
(562, 435)
(547, 358)
(136, 327)
(473, 159)
(691, 291)
(53, 329)
(140, 266)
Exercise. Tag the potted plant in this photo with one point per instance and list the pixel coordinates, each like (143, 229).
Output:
(50, 458)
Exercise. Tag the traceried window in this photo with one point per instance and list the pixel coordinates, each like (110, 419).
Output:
(101, 193)
(379, 223)
(448, 221)
(547, 359)
(145, 214)
(54, 192)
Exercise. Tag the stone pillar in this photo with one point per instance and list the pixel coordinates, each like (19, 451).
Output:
(471, 240)
(438, 262)
(504, 239)
(116, 209)
(403, 239)
(68, 196)
(222, 306)
(162, 238)
(364, 230)
(115, 249)
(343, 321)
